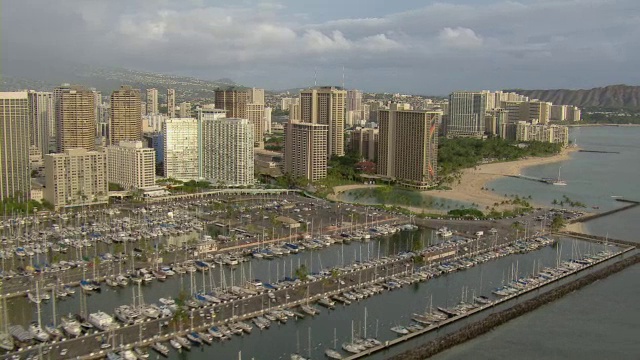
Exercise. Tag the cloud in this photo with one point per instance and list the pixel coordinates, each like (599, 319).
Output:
(499, 43)
(460, 37)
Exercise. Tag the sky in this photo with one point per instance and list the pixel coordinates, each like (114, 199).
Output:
(407, 46)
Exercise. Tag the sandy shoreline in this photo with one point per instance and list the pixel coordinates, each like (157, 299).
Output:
(472, 181)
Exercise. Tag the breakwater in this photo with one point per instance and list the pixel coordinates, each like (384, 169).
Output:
(483, 326)
(599, 239)
(631, 204)
(599, 151)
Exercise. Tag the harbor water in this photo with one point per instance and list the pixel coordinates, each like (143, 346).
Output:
(601, 320)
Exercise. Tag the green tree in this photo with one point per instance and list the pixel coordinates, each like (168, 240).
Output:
(557, 223)
(302, 272)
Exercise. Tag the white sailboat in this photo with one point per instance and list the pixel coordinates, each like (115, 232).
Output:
(333, 353)
(559, 181)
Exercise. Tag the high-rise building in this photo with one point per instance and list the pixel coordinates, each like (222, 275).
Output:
(171, 103)
(286, 102)
(131, 165)
(14, 146)
(573, 113)
(255, 114)
(76, 177)
(152, 101)
(234, 101)
(408, 146)
(104, 121)
(185, 110)
(205, 113)
(180, 137)
(513, 108)
(153, 123)
(244, 104)
(267, 120)
(494, 120)
(156, 142)
(326, 106)
(354, 108)
(535, 110)
(305, 150)
(126, 121)
(42, 121)
(558, 113)
(294, 111)
(75, 118)
(354, 100)
(467, 110)
(227, 154)
(364, 141)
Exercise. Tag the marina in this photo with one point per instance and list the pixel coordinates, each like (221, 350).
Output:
(476, 282)
(238, 313)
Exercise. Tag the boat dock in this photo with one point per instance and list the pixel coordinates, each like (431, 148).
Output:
(531, 178)
(390, 343)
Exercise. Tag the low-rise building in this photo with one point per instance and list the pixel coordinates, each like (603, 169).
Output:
(268, 162)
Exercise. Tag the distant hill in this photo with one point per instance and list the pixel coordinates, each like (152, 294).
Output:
(613, 96)
(108, 79)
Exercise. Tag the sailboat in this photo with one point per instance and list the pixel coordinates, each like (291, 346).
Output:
(559, 181)
(333, 353)
(297, 355)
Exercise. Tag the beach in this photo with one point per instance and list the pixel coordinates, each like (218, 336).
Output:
(472, 180)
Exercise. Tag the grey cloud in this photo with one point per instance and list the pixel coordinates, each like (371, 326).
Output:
(494, 45)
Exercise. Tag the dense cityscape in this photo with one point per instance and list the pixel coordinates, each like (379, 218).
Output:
(192, 219)
(80, 147)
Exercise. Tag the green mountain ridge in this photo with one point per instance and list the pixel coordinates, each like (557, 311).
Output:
(612, 96)
(108, 79)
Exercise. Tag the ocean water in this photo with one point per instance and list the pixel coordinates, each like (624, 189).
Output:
(602, 320)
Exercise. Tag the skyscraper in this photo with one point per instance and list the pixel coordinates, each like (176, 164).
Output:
(126, 118)
(305, 150)
(244, 104)
(171, 103)
(267, 120)
(467, 110)
(255, 114)
(354, 107)
(234, 101)
(205, 113)
(42, 121)
(354, 100)
(364, 141)
(326, 106)
(14, 146)
(180, 137)
(408, 146)
(75, 118)
(228, 151)
(152, 101)
(185, 110)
